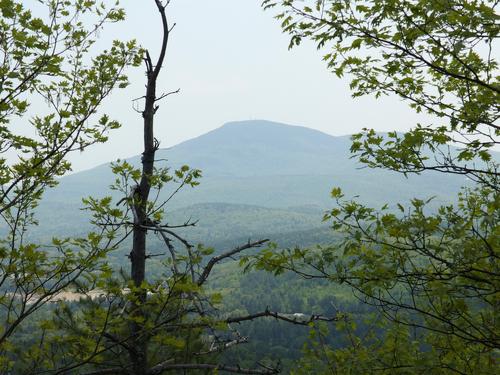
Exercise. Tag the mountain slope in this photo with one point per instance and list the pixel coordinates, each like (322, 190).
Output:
(259, 163)
(260, 148)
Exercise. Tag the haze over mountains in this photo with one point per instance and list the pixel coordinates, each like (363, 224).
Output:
(272, 177)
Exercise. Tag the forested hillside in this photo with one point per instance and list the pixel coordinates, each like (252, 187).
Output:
(269, 165)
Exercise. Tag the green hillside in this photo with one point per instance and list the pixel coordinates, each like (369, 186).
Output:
(259, 163)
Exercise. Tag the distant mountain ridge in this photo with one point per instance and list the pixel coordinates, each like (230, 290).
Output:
(265, 164)
(251, 148)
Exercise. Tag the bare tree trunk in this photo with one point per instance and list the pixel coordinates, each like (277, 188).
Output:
(138, 354)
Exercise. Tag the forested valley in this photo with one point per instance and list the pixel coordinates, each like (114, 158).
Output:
(258, 247)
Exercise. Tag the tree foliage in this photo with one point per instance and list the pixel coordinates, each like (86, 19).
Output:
(45, 58)
(436, 55)
(433, 274)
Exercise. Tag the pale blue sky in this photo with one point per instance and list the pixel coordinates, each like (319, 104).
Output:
(231, 63)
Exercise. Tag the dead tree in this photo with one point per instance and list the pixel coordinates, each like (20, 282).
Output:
(138, 356)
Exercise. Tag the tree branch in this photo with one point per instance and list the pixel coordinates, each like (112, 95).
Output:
(295, 318)
(164, 366)
(213, 261)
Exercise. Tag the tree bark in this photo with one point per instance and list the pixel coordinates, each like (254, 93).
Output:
(138, 354)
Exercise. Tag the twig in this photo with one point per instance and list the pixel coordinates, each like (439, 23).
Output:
(167, 94)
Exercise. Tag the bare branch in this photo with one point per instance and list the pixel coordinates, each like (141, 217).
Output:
(166, 33)
(170, 249)
(294, 318)
(158, 369)
(167, 94)
(213, 261)
(220, 348)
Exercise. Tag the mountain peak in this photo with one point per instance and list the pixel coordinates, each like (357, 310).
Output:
(268, 128)
(262, 124)
(262, 147)
(263, 134)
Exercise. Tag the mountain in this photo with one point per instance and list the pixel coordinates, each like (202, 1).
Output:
(260, 164)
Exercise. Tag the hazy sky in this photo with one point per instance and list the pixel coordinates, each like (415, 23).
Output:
(231, 62)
